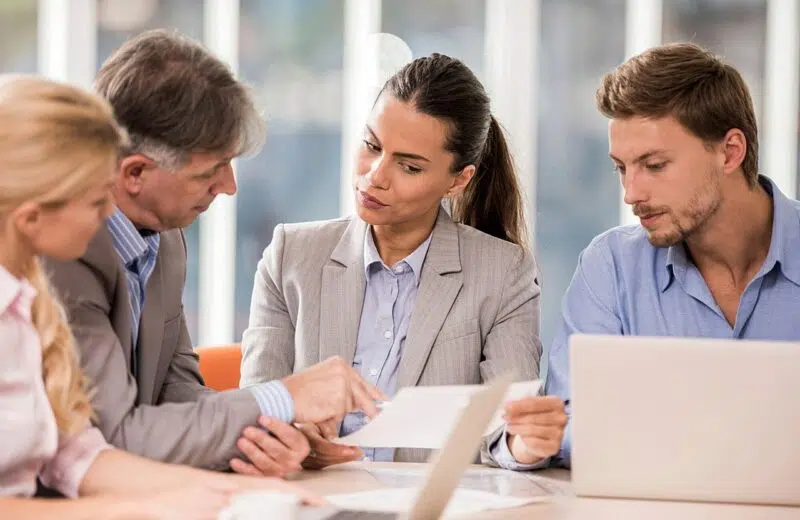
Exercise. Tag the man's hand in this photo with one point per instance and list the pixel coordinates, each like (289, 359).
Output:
(323, 451)
(330, 390)
(535, 427)
(274, 455)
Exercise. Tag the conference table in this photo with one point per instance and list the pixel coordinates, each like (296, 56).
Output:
(562, 505)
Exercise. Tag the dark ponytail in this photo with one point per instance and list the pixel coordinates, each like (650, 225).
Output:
(445, 88)
(492, 201)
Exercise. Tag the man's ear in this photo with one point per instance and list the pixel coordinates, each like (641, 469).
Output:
(460, 181)
(132, 170)
(734, 148)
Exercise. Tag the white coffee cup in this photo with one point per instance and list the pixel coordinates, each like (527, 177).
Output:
(258, 505)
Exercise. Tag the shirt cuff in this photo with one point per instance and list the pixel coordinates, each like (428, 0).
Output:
(274, 400)
(564, 457)
(502, 455)
(76, 454)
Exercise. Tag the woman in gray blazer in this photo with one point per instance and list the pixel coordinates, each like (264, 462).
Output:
(405, 292)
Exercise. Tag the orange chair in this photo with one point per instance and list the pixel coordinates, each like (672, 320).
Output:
(219, 365)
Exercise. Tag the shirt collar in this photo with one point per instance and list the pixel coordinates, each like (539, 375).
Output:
(415, 260)
(15, 294)
(782, 249)
(128, 242)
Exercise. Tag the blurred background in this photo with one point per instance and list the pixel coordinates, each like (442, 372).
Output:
(540, 59)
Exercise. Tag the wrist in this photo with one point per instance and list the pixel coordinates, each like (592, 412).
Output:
(520, 451)
(124, 508)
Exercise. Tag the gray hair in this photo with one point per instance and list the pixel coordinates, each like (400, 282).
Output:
(175, 98)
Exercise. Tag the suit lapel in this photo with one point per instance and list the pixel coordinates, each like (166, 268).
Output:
(149, 348)
(439, 285)
(342, 298)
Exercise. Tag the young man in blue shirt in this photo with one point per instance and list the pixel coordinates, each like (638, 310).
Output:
(716, 251)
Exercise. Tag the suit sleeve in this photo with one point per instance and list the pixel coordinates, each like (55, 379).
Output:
(268, 342)
(183, 382)
(513, 343)
(200, 432)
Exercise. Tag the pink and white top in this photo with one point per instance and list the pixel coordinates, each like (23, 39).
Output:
(30, 443)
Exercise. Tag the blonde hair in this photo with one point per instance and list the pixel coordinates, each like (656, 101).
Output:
(55, 141)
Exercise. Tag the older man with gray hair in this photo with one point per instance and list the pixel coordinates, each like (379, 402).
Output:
(188, 118)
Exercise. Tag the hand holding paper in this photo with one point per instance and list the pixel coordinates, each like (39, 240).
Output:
(535, 427)
(423, 416)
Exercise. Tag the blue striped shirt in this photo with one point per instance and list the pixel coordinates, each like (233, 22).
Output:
(139, 253)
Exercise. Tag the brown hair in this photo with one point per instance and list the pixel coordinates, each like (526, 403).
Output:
(174, 97)
(56, 142)
(445, 88)
(705, 94)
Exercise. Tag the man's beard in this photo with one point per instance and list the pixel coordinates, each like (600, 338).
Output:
(703, 205)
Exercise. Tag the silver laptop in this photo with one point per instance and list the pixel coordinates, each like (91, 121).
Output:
(686, 419)
(449, 463)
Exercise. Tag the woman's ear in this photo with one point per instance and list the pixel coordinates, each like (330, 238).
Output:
(460, 181)
(27, 218)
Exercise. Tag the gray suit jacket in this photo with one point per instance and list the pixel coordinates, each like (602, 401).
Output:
(476, 314)
(165, 412)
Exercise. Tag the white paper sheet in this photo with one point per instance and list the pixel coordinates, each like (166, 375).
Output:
(400, 500)
(423, 416)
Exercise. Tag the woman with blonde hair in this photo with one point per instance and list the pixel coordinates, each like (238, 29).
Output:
(58, 152)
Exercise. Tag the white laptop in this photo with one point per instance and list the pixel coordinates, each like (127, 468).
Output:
(686, 419)
(451, 461)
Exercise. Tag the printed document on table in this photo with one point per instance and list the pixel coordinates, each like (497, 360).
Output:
(399, 500)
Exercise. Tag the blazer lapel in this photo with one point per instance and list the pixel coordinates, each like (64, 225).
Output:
(439, 285)
(149, 348)
(342, 298)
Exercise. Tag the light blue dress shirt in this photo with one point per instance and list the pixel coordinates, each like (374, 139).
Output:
(139, 253)
(388, 303)
(388, 306)
(623, 285)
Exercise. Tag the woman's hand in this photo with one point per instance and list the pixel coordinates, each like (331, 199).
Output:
(535, 427)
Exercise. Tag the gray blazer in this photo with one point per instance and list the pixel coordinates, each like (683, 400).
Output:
(165, 412)
(476, 314)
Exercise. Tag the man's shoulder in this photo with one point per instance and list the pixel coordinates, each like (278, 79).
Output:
(91, 278)
(100, 257)
(620, 248)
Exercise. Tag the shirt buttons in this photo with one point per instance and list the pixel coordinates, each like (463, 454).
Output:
(387, 334)
(399, 269)
(373, 372)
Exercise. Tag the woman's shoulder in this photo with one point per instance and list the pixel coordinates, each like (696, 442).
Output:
(482, 247)
(310, 239)
(317, 228)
